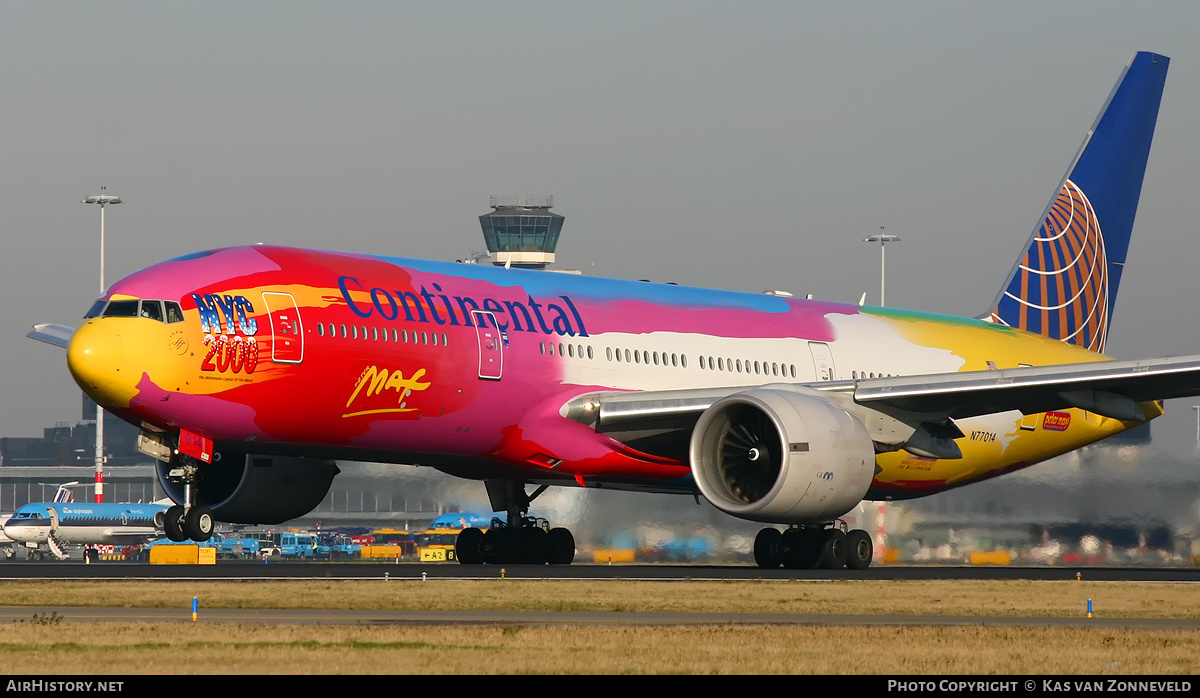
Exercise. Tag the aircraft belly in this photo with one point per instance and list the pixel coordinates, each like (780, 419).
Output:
(544, 443)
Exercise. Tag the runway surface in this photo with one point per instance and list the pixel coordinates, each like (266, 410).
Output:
(365, 570)
(68, 614)
(234, 571)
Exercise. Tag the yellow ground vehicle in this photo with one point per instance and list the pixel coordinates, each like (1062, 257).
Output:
(437, 544)
(388, 543)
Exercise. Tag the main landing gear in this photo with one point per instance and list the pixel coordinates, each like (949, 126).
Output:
(813, 547)
(188, 521)
(522, 539)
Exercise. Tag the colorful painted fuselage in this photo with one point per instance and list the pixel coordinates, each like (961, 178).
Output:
(353, 356)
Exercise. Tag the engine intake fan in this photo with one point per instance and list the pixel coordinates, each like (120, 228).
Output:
(782, 455)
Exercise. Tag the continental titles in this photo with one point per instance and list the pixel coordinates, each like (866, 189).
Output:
(527, 316)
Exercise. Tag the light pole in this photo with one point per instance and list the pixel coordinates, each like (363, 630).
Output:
(882, 239)
(1197, 408)
(104, 200)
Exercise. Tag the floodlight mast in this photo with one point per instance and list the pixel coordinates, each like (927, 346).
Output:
(104, 200)
(882, 238)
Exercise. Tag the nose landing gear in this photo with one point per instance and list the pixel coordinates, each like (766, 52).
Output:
(188, 521)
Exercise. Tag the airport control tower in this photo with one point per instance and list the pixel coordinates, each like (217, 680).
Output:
(522, 236)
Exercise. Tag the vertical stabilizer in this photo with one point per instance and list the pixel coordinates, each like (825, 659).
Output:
(1065, 284)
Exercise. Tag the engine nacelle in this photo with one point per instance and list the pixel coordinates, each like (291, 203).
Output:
(252, 489)
(781, 455)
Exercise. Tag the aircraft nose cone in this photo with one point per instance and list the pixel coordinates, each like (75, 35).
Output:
(96, 357)
(26, 531)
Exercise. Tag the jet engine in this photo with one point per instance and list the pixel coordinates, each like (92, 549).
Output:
(253, 489)
(781, 456)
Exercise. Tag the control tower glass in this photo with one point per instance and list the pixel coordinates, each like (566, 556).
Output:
(521, 235)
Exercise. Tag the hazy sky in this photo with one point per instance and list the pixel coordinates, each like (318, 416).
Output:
(745, 145)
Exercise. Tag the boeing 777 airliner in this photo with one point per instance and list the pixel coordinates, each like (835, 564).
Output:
(251, 369)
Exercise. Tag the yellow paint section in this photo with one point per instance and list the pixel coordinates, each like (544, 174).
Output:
(982, 459)
(988, 450)
(977, 343)
(108, 356)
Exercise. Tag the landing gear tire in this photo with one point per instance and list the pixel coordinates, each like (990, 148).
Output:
(766, 548)
(198, 524)
(859, 549)
(531, 545)
(497, 546)
(833, 550)
(800, 548)
(468, 548)
(560, 545)
(173, 524)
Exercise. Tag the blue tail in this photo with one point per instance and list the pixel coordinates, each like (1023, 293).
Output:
(1065, 284)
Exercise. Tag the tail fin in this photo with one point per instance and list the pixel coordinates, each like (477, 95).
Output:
(1065, 284)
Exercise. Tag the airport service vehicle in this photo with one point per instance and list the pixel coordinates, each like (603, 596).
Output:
(247, 544)
(213, 542)
(780, 410)
(298, 546)
(389, 544)
(333, 546)
(437, 544)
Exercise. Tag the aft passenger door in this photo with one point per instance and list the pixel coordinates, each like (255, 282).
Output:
(287, 332)
(822, 361)
(491, 345)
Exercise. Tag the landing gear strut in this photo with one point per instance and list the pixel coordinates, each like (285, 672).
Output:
(521, 539)
(188, 520)
(813, 547)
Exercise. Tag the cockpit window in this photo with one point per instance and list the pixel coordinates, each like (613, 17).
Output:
(121, 309)
(97, 309)
(152, 310)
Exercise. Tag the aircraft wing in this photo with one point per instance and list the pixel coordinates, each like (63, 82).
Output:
(1109, 388)
(58, 335)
